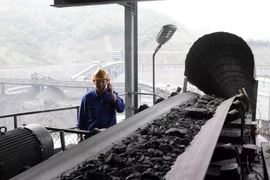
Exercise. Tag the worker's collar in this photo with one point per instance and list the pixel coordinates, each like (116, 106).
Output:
(105, 92)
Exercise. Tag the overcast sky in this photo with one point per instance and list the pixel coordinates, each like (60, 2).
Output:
(246, 18)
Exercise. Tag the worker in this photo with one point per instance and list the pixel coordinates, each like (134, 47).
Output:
(98, 107)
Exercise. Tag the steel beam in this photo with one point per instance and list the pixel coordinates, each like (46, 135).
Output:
(70, 3)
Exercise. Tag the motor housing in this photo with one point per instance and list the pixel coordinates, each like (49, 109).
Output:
(23, 148)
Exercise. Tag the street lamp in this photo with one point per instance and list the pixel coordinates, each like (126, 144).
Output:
(163, 36)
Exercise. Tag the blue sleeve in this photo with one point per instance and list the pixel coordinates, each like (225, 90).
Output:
(82, 116)
(119, 105)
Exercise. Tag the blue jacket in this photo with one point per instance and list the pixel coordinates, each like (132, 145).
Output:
(98, 111)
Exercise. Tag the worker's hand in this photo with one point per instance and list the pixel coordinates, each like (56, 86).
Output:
(79, 138)
(110, 88)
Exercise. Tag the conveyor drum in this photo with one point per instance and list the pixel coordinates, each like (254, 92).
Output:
(221, 63)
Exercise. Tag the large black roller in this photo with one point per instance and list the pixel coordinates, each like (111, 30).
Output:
(23, 148)
(220, 63)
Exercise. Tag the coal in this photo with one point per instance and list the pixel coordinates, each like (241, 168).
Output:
(149, 153)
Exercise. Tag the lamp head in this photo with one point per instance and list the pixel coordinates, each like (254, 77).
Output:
(166, 33)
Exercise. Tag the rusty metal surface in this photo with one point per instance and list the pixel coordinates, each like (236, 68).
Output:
(194, 162)
(101, 142)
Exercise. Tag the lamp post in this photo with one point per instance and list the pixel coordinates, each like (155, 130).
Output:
(163, 36)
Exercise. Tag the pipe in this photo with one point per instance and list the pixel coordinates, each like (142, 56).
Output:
(154, 76)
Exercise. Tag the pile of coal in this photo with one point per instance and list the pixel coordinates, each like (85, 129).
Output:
(149, 153)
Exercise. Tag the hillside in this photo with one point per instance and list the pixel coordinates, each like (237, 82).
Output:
(34, 33)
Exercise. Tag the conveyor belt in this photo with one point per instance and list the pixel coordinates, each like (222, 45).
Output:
(91, 148)
(192, 164)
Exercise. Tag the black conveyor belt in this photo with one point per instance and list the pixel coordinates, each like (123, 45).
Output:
(101, 142)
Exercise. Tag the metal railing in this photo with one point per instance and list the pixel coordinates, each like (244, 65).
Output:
(15, 115)
(64, 136)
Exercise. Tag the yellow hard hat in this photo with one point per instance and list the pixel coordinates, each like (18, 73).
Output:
(101, 74)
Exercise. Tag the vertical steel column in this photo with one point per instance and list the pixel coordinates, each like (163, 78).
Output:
(131, 58)
(15, 122)
(62, 139)
(254, 103)
(77, 110)
(185, 85)
(128, 61)
(135, 54)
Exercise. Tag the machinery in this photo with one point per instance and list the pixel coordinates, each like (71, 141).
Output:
(220, 64)
(161, 145)
(23, 148)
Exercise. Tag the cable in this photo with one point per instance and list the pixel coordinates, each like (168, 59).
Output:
(253, 165)
(248, 169)
(238, 159)
(257, 174)
(242, 117)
